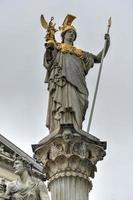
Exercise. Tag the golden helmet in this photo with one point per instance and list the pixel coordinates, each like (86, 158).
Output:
(67, 25)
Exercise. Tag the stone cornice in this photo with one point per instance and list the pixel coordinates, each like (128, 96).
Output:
(8, 152)
(16, 150)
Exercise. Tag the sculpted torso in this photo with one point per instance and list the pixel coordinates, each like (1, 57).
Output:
(27, 187)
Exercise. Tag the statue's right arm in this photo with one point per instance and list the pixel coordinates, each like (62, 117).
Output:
(49, 56)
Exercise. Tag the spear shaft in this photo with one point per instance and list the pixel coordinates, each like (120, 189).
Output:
(98, 78)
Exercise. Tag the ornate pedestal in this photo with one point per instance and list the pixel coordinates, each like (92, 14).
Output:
(69, 158)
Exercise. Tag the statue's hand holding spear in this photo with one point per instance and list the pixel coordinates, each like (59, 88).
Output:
(101, 58)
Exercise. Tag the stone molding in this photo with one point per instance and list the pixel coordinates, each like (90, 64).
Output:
(8, 153)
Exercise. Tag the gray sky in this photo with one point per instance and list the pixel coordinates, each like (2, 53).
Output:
(23, 96)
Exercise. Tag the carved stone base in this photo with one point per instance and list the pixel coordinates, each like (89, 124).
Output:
(69, 158)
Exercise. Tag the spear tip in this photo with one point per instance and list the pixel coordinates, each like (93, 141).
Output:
(109, 22)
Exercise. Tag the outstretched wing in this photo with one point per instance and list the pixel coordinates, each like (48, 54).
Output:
(43, 22)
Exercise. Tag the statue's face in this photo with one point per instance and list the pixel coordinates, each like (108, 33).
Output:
(69, 35)
(19, 167)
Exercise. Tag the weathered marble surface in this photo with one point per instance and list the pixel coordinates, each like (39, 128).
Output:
(69, 160)
(26, 187)
(70, 188)
(69, 155)
(67, 67)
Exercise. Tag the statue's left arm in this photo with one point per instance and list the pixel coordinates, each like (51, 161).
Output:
(97, 58)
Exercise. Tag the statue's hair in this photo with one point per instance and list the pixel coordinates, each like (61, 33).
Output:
(26, 164)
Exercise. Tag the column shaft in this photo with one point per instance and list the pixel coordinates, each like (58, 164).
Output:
(69, 188)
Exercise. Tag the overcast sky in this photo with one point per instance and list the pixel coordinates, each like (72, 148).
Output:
(24, 96)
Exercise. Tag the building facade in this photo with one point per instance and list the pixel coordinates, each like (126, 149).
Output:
(8, 152)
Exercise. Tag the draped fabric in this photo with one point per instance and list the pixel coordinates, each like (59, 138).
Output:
(31, 191)
(68, 93)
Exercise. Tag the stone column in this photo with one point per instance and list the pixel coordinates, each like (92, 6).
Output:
(69, 158)
(69, 187)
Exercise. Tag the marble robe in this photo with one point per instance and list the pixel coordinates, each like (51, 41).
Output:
(32, 191)
(68, 93)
